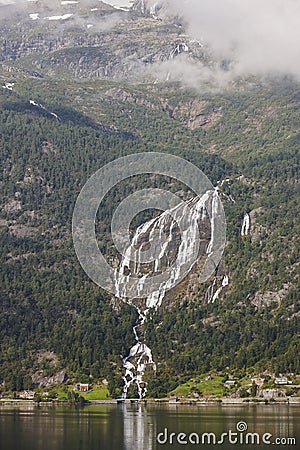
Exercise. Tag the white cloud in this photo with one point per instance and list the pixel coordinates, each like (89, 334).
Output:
(189, 73)
(261, 36)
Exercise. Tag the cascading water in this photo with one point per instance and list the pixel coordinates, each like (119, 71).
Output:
(186, 236)
(212, 294)
(172, 236)
(135, 364)
(245, 225)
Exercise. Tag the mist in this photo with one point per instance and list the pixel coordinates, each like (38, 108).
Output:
(258, 37)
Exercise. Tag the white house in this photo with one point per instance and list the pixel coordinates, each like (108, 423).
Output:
(28, 395)
(230, 383)
(282, 380)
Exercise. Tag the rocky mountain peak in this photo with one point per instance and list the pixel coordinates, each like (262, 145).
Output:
(157, 9)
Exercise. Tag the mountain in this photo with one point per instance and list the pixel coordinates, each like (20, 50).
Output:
(84, 83)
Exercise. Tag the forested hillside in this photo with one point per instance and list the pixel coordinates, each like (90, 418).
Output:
(56, 130)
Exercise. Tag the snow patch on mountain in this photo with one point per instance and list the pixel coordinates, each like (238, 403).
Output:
(34, 16)
(120, 4)
(8, 86)
(64, 17)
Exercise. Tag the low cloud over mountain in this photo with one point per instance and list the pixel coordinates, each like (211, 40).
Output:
(258, 37)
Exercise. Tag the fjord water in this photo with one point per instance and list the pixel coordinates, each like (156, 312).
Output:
(135, 427)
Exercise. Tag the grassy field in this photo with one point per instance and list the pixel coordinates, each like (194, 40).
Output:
(98, 393)
(66, 393)
(213, 386)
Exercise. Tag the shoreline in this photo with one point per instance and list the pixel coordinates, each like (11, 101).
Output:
(161, 402)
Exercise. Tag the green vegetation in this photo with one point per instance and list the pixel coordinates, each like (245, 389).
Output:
(214, 386)
(47, 303)
(67, 395)
(97, 393)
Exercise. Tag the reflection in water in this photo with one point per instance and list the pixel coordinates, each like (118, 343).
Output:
(139, 428)
(136, 426)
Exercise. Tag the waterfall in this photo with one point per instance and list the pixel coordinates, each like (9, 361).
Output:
(245, 225)
(135, 364)
(172, 236)
(211, 294)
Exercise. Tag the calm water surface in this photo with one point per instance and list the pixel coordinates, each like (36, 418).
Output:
(136, 427)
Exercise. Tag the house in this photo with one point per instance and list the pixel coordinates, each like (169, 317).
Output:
(230, 383)
(282, 380)
(28, 395)
(82, 387)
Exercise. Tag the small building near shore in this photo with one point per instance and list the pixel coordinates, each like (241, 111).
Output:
(230, 383)
(28, 395)
(82, 387)
(282, 381)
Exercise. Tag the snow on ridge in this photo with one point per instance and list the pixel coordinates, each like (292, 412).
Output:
(125, 5)
(68, 2)
(8, 86)
(64, 17)
(34, 16)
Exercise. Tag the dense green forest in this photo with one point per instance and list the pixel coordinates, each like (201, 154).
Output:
(48, 303)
